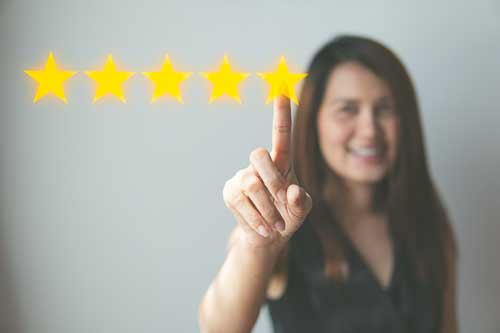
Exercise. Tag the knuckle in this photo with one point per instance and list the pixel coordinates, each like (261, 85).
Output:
(269, 212)
(237, 199)
(227, 192)
(239, 175)
(283, 152)
(258, 153)
(251, 183)
(232, 197)
(229, 200)
(254, 218)
(282, 128)
(276, 183)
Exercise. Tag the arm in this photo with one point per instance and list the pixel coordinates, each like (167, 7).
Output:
(269, 209)
(233, 300)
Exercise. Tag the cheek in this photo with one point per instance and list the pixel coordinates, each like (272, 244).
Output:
(333, 139)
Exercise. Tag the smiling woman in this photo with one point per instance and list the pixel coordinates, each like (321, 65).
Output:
(359, 240)
(358, 124)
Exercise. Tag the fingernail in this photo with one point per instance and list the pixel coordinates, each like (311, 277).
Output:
(262, 231)
(280, 225)
(282, 196)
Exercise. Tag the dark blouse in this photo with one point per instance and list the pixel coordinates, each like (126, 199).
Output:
(313, 303)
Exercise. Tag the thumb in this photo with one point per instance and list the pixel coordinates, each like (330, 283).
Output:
(299, 203)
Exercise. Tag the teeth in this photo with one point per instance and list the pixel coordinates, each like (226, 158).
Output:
(366, 151)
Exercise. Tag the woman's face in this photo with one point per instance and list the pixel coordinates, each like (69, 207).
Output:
(358, 124)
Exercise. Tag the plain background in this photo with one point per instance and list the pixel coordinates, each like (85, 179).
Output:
(112, 218)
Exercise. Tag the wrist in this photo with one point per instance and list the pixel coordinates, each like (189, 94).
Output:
(267, 251)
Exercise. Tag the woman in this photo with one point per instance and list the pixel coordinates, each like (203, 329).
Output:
(352, 236)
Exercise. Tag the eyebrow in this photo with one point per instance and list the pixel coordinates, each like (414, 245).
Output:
(384, 98)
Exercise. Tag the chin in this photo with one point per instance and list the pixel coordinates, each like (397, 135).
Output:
(367, 178)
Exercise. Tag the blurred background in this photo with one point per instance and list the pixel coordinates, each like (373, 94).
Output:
(112, 218)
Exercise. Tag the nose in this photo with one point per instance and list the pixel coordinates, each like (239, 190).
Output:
(367, 124)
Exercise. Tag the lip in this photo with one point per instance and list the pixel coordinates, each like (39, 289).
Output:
(372, 146)
(369, 160)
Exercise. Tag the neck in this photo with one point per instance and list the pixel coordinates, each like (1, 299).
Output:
(354, 202)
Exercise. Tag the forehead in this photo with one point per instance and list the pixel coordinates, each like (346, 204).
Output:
(353, 80)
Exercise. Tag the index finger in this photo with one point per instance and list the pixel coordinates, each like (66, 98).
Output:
(282, 132)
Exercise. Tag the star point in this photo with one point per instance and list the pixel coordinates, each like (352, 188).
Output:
(50, 79)
(282, 82)
(225, 81)
(109, 80)
(167, 81)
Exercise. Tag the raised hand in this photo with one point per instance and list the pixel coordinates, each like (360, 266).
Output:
(263, 197)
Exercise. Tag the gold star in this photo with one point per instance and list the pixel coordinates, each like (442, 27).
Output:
(167, 81)
(50, 79)
(109, 80)
(225, 81)
(282, 82)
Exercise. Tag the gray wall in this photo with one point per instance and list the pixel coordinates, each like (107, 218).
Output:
(112, 217)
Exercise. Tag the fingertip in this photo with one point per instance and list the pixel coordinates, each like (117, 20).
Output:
(263, 231)
(294, 194)
(281, 101)
(280, 225)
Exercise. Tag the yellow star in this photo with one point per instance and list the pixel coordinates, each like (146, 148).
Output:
(50, 79)
(167, 81)
(225, 81)
(282, 82)
(109, 80)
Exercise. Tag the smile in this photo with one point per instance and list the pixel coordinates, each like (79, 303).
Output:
(367, 155)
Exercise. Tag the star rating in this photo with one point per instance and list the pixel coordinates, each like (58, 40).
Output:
(167, 81)
(50, 79)
(225, 81)
(109, 80)
(282, 82)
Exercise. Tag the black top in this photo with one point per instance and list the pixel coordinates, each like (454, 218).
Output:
(313, 303)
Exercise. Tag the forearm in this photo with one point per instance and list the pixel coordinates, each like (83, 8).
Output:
(233, 300)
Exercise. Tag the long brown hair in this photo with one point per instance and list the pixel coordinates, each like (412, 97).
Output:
(417, 217)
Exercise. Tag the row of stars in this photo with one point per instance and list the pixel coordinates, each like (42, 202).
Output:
(109, 80)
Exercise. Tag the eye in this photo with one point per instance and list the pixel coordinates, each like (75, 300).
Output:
(384, 109)
(348, 108)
